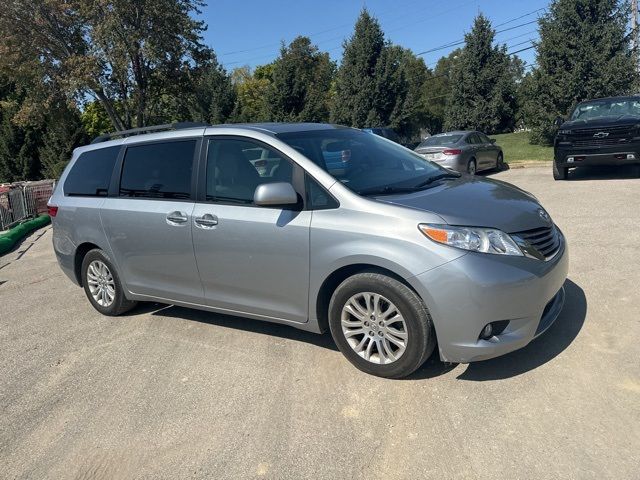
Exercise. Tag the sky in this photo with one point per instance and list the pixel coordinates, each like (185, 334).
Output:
(249, 32)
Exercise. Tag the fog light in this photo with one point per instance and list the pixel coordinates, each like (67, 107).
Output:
(630, 156)
(570, 160)
(487, 332)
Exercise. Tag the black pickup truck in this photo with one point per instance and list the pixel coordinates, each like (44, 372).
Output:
(605, 131)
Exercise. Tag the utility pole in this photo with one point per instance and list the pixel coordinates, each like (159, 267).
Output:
(634, 32)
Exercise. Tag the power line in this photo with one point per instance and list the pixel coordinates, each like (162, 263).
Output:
(521, 16)
(460, 42)
(442, 47)
(332, 29)
(340, 37)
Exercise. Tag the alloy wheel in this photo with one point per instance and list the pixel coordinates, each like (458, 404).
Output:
(101, 283)
(374, 328)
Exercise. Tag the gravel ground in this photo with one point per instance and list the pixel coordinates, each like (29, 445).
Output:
(167, 392)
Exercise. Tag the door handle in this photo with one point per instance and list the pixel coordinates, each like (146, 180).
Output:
(206, 221)
(177, 218)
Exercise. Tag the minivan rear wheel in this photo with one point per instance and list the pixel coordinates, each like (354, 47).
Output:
(102, 285)
(381, 325)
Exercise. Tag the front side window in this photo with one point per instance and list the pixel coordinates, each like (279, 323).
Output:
(158, 170)
(365, 163)
(91, 173)
(235, 167)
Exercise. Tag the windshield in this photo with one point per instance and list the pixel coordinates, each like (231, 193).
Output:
(361, 161)
(606, 108)
(440, 140)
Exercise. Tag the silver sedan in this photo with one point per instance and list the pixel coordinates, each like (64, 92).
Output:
(463, 151)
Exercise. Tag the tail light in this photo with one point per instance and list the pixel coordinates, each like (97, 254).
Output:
(52, 210)
(452, 151)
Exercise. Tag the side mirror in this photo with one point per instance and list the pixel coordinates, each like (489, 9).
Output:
(558, 121)
(275, 194)
(492, 140)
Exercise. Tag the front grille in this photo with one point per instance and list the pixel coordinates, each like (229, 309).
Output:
(545, 240)
(598, 142)
(620, 131)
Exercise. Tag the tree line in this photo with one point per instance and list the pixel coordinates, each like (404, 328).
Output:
(71, 70)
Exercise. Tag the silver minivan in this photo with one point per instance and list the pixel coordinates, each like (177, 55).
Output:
(391, 253)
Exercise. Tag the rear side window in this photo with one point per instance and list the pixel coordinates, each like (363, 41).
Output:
(158, 170)
(91, 173)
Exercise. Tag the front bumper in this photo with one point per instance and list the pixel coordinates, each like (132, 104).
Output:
(466, 294)
(588, 157)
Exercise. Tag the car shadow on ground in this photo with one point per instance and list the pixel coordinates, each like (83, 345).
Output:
(537, 353)
(623, 172)
(238, 323)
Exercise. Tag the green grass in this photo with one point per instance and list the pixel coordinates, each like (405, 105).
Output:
(516, 147)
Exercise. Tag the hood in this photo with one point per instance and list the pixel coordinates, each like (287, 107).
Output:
(477, 202)
(614, 120)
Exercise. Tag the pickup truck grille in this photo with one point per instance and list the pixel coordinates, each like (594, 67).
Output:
(620, 131)
(598, 142)
(545, 240)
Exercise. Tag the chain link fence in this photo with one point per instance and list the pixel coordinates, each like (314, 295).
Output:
(19, 201)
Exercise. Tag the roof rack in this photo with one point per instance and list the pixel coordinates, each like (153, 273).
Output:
(141, 130)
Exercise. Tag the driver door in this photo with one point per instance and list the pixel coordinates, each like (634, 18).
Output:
(251, 259)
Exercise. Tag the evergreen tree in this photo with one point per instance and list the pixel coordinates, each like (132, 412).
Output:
(19, 143)
(300, 83)
(583, 53)
(483, 84)
(435, 92)
(214, 95)
(64, 132)
(357, 95)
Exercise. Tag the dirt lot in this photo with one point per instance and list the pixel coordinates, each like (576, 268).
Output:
(172, 393)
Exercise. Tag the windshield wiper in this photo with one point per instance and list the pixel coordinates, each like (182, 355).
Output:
(435, 178)
(385, 190)
(388, 190)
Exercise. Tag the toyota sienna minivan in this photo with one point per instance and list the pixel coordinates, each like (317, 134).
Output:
(391, 253)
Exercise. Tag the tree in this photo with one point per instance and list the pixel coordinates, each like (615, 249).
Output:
(19, 143)
(214, 95)
(95, 120)
(483, 84)
(63, 133)
(356, 95)
(435, 92)
(377, 84)
(300, 83)
(138, 55)
(251, 91)
(583, 53)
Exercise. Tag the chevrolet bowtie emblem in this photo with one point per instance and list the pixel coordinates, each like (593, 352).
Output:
(600, 135)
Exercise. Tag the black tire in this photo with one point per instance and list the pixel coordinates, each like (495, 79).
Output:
(421, 338)
(471, 163)
(636, 170)
(559, 173)
(500, 162)
(120, 303)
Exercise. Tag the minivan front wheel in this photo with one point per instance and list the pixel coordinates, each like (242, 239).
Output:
(102, 284)
(381, 325)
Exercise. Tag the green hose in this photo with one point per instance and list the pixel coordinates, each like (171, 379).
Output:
(9, 239)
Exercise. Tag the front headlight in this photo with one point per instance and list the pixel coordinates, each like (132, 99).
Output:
(475, 239)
